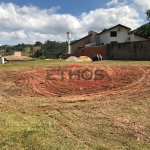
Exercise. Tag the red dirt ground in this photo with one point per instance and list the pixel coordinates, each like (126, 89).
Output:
(122, 80)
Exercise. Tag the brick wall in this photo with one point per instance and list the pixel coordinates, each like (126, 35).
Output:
(90, 52)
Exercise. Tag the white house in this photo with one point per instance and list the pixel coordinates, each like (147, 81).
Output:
(136, 37)
(117, 34)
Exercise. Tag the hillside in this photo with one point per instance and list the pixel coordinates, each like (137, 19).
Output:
(24, 48)
(50, 49)
(144, 30)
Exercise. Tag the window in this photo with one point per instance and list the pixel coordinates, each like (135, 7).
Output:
(113, 34)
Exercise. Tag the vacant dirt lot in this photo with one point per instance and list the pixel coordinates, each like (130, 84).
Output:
(81, 107)
(77, 81)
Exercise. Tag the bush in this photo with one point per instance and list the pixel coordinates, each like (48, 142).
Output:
(42, 57)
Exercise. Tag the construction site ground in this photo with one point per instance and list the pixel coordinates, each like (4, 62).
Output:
(76, 106)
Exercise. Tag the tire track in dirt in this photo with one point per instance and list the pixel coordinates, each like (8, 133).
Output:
(136, 87)
(118, 81)
(66, 128)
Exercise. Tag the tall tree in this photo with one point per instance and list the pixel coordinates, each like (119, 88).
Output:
(148, 14)
(31, 51)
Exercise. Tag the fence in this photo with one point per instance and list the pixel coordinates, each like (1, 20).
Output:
(129, 51)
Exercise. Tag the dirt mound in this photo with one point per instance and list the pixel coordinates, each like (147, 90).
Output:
(71, 58)
(84, 58)
(75, 80)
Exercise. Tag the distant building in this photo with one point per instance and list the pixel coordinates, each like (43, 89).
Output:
(15, 53)
(115, 34)
(15, 56)
(86, 41)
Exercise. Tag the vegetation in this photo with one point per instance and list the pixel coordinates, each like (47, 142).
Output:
(17, 66)
(148, 14)
(144, 30)
(48, 124)
(50, 49)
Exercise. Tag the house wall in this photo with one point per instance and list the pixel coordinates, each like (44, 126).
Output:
(91, 44)
(131, 38)
(15, 53)
(93, 38)
(75, 46)
(129, 51)
(122, 36)
(138, 38)
(104, 38)
(134, 38)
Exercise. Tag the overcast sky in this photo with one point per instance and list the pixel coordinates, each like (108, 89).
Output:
(35, 20)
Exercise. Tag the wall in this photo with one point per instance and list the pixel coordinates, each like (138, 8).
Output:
(134, 38)
(129, 51)
(104, 38)
(15, 53)
(90, 52)
(122, 36)
(91, 44)
(87, 40)
(138, 38)
(131, 36)
(75, 46)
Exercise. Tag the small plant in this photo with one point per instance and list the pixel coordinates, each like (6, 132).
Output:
(42, 57)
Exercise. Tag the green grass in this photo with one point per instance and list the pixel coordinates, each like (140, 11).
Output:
(27, 50)
(46, 123)
(16, 66)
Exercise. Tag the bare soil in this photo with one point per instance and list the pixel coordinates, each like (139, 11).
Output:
(116, 110)
(52, 81)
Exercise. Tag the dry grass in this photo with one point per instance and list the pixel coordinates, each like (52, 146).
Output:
(103, 123)
(115, 121)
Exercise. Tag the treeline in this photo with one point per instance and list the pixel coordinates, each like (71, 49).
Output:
(144, 30)
(50, 49)
(20, 47)
(8, 48)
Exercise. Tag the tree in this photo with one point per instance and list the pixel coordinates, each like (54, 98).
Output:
(37, 43)
(32, 51)
(148, 14)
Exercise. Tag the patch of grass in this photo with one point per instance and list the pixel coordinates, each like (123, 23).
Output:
(33, 132)
(16, 66)
(27, 50)
(46, 123)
